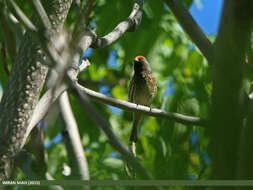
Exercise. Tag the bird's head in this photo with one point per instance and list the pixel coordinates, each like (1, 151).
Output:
(140, 64)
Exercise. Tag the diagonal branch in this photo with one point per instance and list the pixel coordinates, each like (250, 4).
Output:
(25, 20)
(191, 28)
(48, 99)
(42, 13)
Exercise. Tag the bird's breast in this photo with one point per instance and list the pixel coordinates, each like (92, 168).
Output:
(145, 89)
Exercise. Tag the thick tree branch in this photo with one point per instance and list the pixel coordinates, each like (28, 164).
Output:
(232, 41)
(191, 28)
(128, 106)
(130, 24)
(23, 89)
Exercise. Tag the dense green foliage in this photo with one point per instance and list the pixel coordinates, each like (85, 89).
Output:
(167, 149)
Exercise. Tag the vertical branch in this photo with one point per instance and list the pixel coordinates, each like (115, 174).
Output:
(72, 140)
(231, 43)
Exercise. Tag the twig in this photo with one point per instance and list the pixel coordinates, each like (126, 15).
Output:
(130, 24)
(191, 28)
(128, 106)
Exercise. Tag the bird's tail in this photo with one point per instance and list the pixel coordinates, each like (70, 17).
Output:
(134, 132)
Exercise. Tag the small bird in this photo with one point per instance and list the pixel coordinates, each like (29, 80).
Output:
(142, 90)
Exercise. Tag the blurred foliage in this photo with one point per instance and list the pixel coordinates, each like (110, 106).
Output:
(167, 149)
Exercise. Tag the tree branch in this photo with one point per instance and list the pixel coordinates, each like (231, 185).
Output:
(191, 28)
(23, 89)
(227, 120)
(26, 21)
(128, 25)
(72, 140)
(128, 106)
(42, 14)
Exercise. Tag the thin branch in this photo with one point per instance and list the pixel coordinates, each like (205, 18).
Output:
(130, 24)
(128, 106)
(42, 14)
(72, 140)
(191, 28)
(93, 83)
(23, 18)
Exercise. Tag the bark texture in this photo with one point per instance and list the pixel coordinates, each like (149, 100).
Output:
(23, 89)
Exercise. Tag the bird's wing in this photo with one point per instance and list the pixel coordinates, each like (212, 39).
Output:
(131, 90)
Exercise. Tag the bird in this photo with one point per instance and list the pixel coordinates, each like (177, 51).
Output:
(142, 90)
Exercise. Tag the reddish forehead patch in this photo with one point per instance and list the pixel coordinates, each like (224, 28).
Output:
(139, 57)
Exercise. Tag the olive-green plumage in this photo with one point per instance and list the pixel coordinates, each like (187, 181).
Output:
(142, 90)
